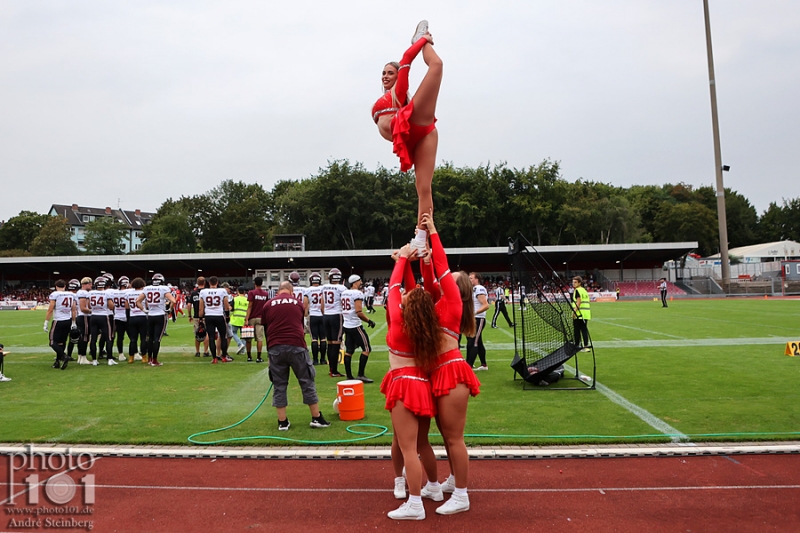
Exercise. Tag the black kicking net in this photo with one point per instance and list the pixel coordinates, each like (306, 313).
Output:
(543, 334)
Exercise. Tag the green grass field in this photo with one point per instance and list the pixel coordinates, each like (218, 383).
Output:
(709, 369)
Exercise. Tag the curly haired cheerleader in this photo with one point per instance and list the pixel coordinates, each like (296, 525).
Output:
(410, 124)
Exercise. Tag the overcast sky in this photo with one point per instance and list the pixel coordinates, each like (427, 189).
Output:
(106, 103)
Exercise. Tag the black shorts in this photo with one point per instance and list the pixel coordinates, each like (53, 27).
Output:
(59, 332)
(317, 327)
(333, 327)
(356, 338)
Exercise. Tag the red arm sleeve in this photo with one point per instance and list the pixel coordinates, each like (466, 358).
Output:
(449, 287)
(401, 85)
(429, 281)
(409, 282)
(393, 297)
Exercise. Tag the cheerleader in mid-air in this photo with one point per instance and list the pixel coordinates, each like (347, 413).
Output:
(410, 123)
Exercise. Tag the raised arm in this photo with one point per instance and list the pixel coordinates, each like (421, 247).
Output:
(401, 85)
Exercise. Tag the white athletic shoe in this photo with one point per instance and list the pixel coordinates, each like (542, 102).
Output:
(419, 241)
(137, 357)
(121, 357)
(433, 493)
(456, 504)
(407, 512)
(241, 349)
(482, 367)
(83, 361)
(422, 29)
(449, 484)
(94, 362)
(111, 362)
(400, 488)
(6, 378)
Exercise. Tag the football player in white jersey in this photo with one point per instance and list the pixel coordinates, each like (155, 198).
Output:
(82, 321)
(481, 304)
(355, 336)
(101, 320)
(316, 327)
(153, 301)
(213, 304)
(119, 297)
(332, 318)
(74, 333)
(369, 297)
(64, 309)
(299, 292)
(137, 323)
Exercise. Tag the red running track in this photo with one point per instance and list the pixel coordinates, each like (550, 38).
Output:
(742, 493)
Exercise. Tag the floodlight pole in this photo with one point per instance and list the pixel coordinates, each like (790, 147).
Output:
(721, 217)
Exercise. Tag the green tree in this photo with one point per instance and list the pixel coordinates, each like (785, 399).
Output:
(103, 236)
(19, 231)
(169, 232)
(232, 217)
(54, 239)
(780, 223)
(688, 222)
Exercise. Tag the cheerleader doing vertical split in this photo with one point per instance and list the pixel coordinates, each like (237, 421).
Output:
(410, 123)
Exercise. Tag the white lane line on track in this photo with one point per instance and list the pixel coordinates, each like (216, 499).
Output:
(488, 491)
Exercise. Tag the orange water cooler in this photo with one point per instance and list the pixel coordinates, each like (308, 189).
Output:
(350, 399)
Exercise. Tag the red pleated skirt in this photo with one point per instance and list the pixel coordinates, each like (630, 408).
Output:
(411, 386)
(450, 370)
(406, 135)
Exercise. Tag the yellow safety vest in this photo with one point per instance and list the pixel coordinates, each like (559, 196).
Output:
(584, 311)
(239, 311)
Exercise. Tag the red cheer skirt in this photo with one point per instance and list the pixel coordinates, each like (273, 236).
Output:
(411, 386)
(449, 371)
(406, 135)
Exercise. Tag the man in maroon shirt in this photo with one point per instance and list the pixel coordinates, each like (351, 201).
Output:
(286, 347)
(256, 300)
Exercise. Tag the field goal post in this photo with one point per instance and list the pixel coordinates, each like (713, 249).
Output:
(544, 337)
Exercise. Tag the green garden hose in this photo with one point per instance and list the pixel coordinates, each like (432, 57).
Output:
(377, 430)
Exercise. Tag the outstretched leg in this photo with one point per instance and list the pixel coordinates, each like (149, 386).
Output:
(424, 165)
(428, 92)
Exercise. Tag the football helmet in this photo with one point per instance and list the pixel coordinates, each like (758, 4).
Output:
(100, 282)
(200, 334)
(158, 279)
(74, 335)
(315, 278)
(294, 277)
(73, 285)
(124, 281)
(335, 275)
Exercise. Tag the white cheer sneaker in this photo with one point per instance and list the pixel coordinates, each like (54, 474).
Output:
(456, 504)
(400, 488)
(407, 511)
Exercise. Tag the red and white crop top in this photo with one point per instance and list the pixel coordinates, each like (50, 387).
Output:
(396, 339)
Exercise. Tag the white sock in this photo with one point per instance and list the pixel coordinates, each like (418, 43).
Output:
(433, 484)
(450, 478)
(460, 492)
(416, 501)
(421, 236)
